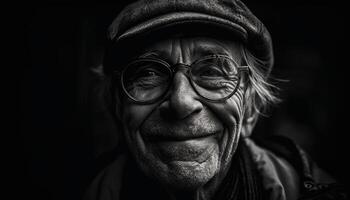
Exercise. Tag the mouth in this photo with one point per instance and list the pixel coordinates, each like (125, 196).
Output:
(185, 148)
(173, 137)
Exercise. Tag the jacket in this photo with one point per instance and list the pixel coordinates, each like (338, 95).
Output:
(286, 170)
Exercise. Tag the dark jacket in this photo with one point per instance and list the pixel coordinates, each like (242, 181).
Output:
(286, 173)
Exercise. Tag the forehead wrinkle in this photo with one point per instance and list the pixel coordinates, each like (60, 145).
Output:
(169, 50)
(186, 47)
(205, 49)
(189, 49)
(153, 53)
(218, 48)
(174, 49)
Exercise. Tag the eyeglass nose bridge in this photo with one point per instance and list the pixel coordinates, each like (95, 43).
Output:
(181, 67)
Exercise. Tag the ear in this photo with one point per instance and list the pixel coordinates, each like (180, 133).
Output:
(249, 123)
(251, 115)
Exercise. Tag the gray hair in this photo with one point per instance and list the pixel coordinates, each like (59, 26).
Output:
(263, 92)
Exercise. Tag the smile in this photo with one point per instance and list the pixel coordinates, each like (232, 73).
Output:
(160, 137)
(192, 149)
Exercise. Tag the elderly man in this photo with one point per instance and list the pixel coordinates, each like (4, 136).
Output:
(188, 80)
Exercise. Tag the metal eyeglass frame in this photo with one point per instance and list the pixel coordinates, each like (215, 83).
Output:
(173, 69)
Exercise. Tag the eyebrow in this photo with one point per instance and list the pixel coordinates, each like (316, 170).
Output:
(219, 48)
(153, 54)
(209, 49)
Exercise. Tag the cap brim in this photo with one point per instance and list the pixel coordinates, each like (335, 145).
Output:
(183, 18)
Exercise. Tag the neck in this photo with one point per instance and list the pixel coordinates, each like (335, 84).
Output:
(188, 195)
(202, 193)
(212, 190)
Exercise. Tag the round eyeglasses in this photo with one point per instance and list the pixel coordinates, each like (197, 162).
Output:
(215, 78)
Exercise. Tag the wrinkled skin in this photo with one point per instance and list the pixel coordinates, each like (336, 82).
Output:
(203, 135)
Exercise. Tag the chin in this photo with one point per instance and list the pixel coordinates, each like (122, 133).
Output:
(179, 165)
(189, 175)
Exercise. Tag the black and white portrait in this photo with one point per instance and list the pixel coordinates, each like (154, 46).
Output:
(184, 99)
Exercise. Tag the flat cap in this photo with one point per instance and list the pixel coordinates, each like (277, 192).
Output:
(139, 20)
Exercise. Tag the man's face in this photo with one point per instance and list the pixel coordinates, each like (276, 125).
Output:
(184, 141)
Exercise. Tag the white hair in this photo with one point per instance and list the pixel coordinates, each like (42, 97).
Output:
(262, 91)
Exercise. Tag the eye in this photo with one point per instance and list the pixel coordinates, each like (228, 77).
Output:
(222, 68)
(215, 74)
(207, 69)
(147, 73)
(210, 71)
(145, 70)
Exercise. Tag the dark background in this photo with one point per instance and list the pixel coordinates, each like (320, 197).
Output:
(63, 130)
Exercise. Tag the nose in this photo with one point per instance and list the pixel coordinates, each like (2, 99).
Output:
(183, 100)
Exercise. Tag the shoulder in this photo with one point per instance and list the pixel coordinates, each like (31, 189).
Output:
(106, 185)
(289, 173)
(280, 179)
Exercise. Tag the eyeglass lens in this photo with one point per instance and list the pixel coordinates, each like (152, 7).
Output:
(213, 78)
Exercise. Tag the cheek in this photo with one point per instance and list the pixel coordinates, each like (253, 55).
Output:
(231, 111)
(133, 115)
(231, 114)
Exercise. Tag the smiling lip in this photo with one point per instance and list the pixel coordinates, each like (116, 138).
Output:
(195, 149)
(179, 137)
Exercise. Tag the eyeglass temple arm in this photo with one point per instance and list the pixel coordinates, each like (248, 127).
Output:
(244, 68)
